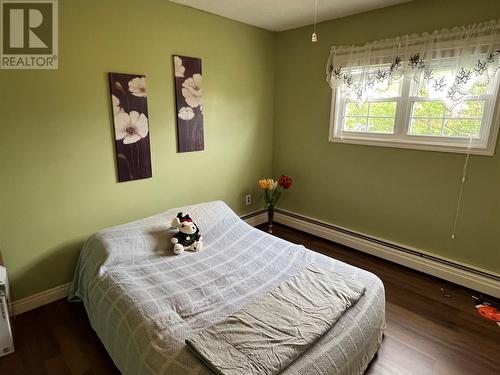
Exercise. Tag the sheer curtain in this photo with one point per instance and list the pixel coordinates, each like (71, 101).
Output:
(449, 63)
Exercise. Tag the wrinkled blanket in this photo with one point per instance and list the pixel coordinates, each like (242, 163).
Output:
(143, 301)
(266, 335)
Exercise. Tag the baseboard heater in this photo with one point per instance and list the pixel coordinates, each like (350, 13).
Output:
(385, 244)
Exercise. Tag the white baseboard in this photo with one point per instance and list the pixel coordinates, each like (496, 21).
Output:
(36, 300)
(51, 295)
(459, 273)
(256, 218)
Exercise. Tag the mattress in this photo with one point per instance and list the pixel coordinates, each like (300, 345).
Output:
(143, 301)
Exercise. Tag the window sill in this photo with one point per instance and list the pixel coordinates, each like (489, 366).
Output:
(488, 150)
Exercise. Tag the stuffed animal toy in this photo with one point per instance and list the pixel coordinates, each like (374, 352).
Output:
(188, 236)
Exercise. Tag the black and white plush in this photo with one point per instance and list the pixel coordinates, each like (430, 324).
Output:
(188, 236)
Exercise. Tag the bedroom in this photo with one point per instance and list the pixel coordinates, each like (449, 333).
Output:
(387, 206)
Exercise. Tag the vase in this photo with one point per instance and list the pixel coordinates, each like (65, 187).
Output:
(270, 219)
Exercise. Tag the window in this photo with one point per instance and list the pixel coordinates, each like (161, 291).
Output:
(433, 91)
(407, 115)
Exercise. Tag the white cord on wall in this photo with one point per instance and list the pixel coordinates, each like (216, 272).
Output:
(462, 184)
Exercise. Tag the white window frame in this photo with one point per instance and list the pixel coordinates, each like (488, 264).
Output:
(483, 145)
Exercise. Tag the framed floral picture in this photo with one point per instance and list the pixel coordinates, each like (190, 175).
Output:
(189, 103)
(129, 103)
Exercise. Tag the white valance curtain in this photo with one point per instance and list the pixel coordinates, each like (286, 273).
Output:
(448, 62)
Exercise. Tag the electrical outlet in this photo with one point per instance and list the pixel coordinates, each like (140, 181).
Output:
(248, 199)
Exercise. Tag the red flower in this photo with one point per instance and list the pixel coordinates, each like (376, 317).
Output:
(285, 182)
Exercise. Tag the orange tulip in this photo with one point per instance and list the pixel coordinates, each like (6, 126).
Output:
(263, 184)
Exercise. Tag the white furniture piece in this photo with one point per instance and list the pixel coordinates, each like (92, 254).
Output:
(6, 337)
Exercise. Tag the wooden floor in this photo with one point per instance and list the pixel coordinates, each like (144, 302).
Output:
(432, 327)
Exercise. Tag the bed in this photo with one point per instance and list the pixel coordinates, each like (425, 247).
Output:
(143, 301)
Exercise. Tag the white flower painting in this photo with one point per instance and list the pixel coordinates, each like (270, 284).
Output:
(131, 125)
(137, 86)
(131, 128)
(189, 102)
(179, 68)
(192, 91)
(116, 105)
(186, 113)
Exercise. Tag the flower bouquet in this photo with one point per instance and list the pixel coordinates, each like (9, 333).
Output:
(272, 193)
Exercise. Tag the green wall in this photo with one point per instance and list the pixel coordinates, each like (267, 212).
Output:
(406, 196)
(57, 168)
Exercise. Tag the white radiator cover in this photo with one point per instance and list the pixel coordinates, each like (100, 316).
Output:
(6, 338)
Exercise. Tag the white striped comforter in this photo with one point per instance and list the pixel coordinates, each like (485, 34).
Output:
(143, 301)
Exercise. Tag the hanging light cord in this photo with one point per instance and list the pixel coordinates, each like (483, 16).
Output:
(464, 178)
(314, 37)
(315, 14)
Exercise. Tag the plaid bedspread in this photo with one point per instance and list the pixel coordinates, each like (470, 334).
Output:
(144, 302)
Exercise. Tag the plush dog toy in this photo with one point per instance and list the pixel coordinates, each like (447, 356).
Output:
(188, 236)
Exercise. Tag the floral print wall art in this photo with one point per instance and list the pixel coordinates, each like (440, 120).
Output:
(189, 103)
(130, 114)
